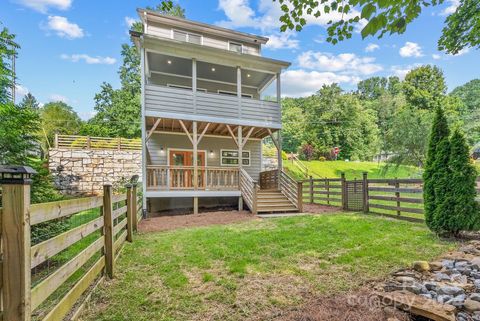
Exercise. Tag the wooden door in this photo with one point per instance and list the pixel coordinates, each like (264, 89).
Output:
(181, 169)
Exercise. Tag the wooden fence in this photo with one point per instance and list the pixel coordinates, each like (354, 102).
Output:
(87, 142)
(51, 279)
(400, 198)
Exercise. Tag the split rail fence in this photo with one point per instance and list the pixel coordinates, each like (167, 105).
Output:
(399, 198)
(48, 275)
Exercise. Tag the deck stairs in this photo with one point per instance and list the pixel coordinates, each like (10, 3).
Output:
(274, 201)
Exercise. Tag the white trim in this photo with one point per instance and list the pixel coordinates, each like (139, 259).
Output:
(235, 43)
(144, 126)
(233, 157)
(162, 132)
(209, 119)
(185, 150)
(190, 193)
(234, 94)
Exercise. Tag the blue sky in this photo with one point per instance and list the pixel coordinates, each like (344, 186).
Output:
(69, 47)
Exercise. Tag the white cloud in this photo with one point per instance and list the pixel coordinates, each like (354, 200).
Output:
(461, 52)
(298, 83)
(64, 28)
(89, 59)
(57, 97)
(452, 7)
(20, 91)
(411, 49)
(282, 41)
(402, 71)
(239, 14)
(347, 63)
(43, 5)
(371, 47)
(129, 21)
(436, 56)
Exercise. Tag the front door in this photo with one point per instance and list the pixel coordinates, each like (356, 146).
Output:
(181, 169)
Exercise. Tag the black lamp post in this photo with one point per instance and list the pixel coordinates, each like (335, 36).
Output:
(16, 175)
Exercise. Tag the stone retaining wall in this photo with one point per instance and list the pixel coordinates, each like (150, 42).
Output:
(84, 172)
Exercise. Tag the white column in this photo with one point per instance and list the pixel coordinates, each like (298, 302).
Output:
(194, 84)
(279, 139)
(239, 91)
(144, 130)
(240, 147)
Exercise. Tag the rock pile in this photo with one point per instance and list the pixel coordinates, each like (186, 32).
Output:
(453, 281)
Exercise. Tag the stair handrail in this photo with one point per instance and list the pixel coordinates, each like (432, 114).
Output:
(292, 189)
(296, 161)
(249, 188)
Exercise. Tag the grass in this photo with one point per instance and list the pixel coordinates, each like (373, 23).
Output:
(254, 269)
(333, 169)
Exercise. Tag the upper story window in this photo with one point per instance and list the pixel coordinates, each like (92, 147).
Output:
(235, 46)
(187, 37)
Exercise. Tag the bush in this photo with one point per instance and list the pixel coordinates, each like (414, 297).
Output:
(322, 158)
(438, 133)
(306, 152)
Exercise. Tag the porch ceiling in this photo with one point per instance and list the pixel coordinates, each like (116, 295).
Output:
(217, 129)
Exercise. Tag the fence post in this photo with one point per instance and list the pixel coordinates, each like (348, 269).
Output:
(344, 192)
(119, 143)
(365, 193)
(16, 245)
(327, 186)
(300, 196)
(134, 207)
(108, 229)
(311, 189)
(56, 140)
(89, 142)
(397, 195)
(130, 213)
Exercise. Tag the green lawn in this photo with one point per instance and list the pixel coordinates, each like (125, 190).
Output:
(333, 169)
(253, 269)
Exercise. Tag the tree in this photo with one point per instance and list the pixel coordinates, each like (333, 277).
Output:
(8, 50)
(293, 120)
(384, 16)
(372, 88)
(57, 117)
(469, 94)
(18, 134)
(435, 166)
(459, 210)
(29, 101)
(425, 87)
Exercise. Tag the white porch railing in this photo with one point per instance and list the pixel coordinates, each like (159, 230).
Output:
(182, 178)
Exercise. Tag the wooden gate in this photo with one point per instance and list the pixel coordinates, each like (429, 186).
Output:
(354, 195)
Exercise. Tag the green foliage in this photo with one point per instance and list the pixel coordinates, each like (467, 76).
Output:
(372, 88)
(384, 17)
(18, 134)
(459, 210)
(57, 117)
(439, 132)
(462, 29)
(469, 94)
(425, 87)
(29, 101)
(8, 50)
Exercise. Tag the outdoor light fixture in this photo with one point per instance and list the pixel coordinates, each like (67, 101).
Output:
(211, 152)
(16, 174)
(213, 69)
(161, 149)
(169, 62)
(248, 75)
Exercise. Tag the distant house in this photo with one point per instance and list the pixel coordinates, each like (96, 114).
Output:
(203, 119)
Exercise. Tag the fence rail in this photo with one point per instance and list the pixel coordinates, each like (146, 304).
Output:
(400, 198)
(47, 280)
(87, 142)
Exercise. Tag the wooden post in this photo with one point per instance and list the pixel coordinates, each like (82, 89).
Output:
(195, 205)
(344, 192)
(119, 143)
(365, 192)
(397, 195)
(327, 184)
(134, 207)
(300, 196)
(56, 140)
(15, 234)
(240, 203)
(108, 230)
(131, 216)
(279, 155)
(240, 146)
(195, 155)
(89, 142)
(254, 198)
(311, 189)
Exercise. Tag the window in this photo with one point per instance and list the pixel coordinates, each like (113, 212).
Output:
(237, 47)
(230, 157)
(187, 37)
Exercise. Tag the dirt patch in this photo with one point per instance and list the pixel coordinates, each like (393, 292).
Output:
(171, 222)
(356, 306)
(320, 209)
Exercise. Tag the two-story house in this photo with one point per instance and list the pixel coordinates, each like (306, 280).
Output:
(204, 115)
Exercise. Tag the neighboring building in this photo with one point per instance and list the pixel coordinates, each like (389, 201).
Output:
(203, 119)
